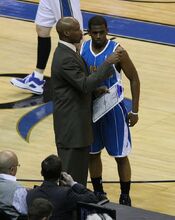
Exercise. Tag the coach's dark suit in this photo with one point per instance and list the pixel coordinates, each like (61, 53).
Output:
(72, 90)
(64, 199)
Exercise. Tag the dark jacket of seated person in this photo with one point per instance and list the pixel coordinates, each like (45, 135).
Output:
(63, 196)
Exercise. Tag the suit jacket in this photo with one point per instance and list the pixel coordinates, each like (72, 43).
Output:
(64, 199)
(72, 86)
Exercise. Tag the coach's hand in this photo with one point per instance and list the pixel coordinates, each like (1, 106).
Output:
(115, 56)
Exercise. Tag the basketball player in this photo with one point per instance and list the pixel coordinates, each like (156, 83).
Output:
(48, 13)
(112, 130)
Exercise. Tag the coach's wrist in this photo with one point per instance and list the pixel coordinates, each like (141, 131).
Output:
(73, 183)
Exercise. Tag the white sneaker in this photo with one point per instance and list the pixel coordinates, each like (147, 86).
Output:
(30, 83)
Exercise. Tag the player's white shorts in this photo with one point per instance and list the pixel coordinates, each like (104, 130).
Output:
(50, 11)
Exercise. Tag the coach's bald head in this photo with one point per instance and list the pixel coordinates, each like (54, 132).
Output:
(68, 29)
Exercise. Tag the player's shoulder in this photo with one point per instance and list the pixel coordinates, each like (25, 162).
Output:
(121, 50)
(86, 43)
(85, 46)
(112, 42)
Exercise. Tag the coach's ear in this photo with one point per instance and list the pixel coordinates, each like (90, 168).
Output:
(67, 33)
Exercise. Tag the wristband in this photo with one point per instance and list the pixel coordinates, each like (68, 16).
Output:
(134, 113)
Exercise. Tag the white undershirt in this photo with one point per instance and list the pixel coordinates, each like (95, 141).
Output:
(71, 46)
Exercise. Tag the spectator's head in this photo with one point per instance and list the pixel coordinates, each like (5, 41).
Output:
(8, 162)
(68, 29)
(97, 29)
(40, 209)
(51, 168)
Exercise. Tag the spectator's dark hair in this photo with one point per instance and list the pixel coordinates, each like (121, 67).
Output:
(97, 20)
(39, 209)
(51, 168)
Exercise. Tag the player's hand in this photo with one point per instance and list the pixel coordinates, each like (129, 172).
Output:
(132, 119)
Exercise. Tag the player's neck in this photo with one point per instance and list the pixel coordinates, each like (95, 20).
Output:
(97, 49)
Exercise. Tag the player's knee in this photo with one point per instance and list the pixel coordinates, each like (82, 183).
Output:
(43, 31)
(95, 156)
(121, 160)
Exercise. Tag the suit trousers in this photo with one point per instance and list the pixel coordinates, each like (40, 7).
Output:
(75, 162)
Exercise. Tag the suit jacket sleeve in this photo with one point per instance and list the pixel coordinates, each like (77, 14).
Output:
(83, 81)
(78, 193)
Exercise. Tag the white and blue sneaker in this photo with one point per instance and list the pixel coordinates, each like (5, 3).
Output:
(30, 82)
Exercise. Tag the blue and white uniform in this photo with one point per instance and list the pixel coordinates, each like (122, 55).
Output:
(111, 131)
(50, 11)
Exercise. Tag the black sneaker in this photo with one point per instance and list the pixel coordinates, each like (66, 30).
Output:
(125, 199)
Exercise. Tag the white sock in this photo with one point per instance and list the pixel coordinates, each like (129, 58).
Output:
(38, 75)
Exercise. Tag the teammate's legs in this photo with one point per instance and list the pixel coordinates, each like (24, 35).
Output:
(45, 19)
(43, 49)
(76, 12)
(48, 13)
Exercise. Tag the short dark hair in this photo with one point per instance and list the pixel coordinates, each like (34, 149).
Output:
(51, 168)
(39, 209)
(97, 20)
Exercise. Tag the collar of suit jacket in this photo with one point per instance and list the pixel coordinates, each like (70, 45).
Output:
(71, 46)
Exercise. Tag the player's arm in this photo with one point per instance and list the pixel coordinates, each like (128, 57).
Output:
(131, 73)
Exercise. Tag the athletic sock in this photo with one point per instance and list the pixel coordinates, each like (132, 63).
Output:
(125, 187)
(43, 51)
(97, 184)
(38, 75)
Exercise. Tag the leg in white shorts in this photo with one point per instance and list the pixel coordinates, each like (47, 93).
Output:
(50, 11)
